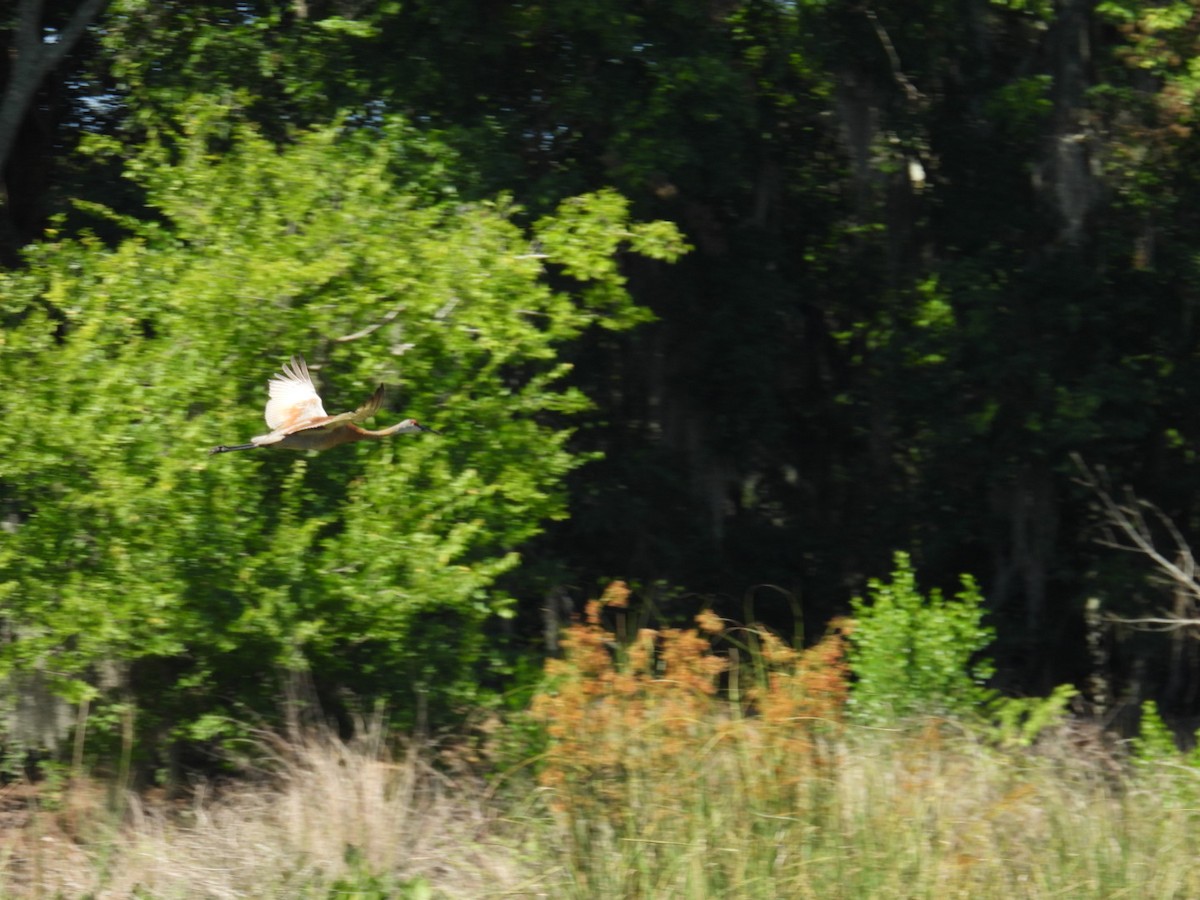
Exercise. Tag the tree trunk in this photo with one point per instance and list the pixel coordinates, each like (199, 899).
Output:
(31, 60)
(1071, 180)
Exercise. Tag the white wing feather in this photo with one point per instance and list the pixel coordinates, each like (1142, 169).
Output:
(293, 397)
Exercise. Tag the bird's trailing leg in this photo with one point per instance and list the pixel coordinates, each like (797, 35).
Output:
(224, 449)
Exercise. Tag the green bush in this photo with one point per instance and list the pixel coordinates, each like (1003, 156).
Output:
(1161, 766)
(1155, 743)
(1018, 721)
(913, 655)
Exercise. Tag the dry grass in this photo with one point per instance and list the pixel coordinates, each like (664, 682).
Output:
(925, 814)
(333, 813)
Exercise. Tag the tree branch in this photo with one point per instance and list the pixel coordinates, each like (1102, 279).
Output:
(371, 329)
(32, 59)
(1164, 623)
(910, 89)
(1125, 527)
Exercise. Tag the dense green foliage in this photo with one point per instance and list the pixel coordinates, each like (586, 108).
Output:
(191, 583)
(937, 248)
(914, 655)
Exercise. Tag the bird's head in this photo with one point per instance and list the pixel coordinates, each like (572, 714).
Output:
(414, 425)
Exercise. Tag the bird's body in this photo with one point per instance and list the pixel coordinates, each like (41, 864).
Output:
(298, 420)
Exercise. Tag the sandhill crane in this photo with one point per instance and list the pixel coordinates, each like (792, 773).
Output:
(298, 421)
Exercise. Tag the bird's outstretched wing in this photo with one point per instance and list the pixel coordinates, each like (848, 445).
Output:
(369, 408)
(329, 423)
(324, 422)
(293, 398)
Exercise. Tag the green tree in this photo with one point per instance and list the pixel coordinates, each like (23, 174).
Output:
(193, 584)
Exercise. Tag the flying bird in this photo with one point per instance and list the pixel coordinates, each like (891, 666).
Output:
(298, 421)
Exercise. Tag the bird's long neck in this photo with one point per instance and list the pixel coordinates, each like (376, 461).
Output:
(362, 434)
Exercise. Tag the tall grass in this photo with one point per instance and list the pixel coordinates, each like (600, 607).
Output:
(893, 816)
(927, 814)
(659, 787)
(333, 819)
(671, 770)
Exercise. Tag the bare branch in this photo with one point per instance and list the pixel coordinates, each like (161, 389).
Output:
(371, 329)
(447, 308)
(1125, 527)
(1157, 623)
(910, 89)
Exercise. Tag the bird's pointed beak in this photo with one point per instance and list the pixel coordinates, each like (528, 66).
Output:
(430, 430)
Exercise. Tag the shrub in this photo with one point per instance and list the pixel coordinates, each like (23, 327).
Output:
(652, 715)
(914, 655)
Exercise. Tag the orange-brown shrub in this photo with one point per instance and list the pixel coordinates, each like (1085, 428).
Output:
(675, 710)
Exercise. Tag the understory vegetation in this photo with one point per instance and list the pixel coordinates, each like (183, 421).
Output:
(930, 812)
(710, 761)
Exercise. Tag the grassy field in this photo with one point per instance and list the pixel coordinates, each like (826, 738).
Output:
(928, 813)
(655, 765)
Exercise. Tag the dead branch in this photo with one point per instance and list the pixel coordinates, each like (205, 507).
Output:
(1155, 623)
(372, 328)
(1125, 527)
